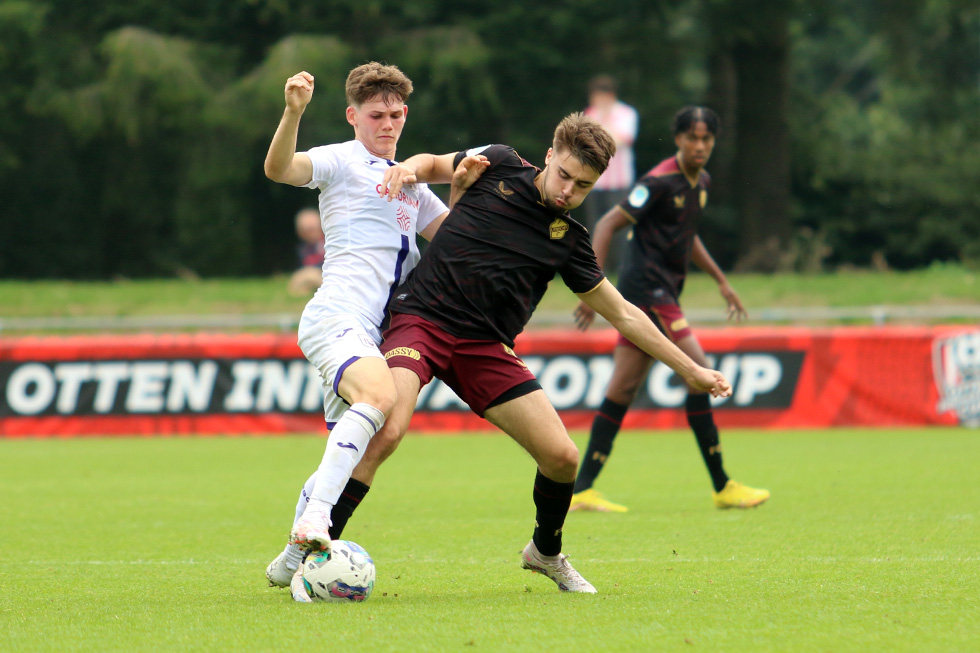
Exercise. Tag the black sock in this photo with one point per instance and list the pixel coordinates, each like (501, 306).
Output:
(551, 499)
(702, 422)
(349, 500)
(605, 426)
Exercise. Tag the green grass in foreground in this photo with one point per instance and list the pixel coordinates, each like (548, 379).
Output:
(869, 543)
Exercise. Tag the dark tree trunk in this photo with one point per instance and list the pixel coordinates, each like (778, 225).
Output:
(762, 170)
(723, 98)
(750, 90)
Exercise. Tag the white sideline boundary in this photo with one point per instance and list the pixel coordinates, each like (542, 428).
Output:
(807, 315)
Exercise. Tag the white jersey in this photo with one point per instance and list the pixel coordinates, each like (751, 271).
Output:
(369, 242)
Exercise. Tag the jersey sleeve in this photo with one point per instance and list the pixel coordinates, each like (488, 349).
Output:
(581, 272)
(641, 198)
(494, 153)
(327, 160)
(430, 208)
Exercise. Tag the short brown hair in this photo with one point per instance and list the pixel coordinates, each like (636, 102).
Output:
(602, 84)
(370, 80)
(586, 139)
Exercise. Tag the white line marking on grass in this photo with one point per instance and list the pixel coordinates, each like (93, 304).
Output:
(617, 561)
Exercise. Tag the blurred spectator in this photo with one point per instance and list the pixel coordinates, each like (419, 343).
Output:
(307, 278)
(621, 120)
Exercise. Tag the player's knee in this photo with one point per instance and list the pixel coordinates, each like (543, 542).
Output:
(570, 458)
(622, 396)
(381, 397)
(624, 391)
(386, 402)
(562, 465)
(385, 441)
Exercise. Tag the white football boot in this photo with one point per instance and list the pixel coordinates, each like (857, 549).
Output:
(312, 531)
(278, 572)
(298, 589)
(556, 568)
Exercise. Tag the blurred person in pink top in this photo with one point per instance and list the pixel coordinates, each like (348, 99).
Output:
(620, 120)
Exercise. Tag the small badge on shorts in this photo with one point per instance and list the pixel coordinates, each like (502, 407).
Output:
(403, 351)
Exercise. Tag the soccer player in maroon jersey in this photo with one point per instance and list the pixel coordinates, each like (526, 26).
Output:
(457, 315)
(664, 208)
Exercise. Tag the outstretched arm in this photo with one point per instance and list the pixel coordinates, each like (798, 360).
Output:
(702, 259)
(638, 329)
(466, 173)
(433, 168)
(282, 163)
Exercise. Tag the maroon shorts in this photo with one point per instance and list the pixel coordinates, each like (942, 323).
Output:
(479, 371)
(668, 318)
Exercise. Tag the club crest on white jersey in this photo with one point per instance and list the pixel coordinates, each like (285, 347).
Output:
(369, 242)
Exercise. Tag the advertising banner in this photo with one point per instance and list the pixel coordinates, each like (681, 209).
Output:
(231, 384)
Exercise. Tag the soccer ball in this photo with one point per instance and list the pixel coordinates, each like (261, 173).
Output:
(345, 573)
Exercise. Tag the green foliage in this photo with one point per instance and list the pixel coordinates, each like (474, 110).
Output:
(20, 26)
(887, 152)
(253, 104)
(136, 131)
(444, 114)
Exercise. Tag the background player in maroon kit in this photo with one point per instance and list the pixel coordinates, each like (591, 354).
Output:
(664, 208)
(457, 315)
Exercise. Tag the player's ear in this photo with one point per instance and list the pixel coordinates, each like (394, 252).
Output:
(405, 109)
(547, 157)
(352, 116)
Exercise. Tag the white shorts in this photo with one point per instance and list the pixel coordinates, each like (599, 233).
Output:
(332, 339)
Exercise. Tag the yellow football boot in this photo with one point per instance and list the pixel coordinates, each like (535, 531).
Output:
(736, 495)
(592, 500)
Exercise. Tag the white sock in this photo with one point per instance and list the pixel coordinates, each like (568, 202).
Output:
(345, 447)
(294, 554)
(304, 497)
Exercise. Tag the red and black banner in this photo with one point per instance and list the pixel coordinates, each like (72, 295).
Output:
(207, 383)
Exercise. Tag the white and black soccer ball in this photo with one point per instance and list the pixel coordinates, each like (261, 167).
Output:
(345, 573)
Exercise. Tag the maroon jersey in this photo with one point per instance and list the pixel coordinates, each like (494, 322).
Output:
(665, 208)
(491, 260)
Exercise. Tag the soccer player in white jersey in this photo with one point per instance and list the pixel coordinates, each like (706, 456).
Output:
(370, 249)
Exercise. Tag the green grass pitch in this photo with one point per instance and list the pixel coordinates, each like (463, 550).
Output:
(871, 541)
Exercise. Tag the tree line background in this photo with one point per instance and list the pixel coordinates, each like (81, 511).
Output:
(132, 134)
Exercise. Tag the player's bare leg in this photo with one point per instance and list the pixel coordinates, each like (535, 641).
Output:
(368, 388)
(387, 439)
(532, 422)
(727, 493)
(382, 445)
(630, 368)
